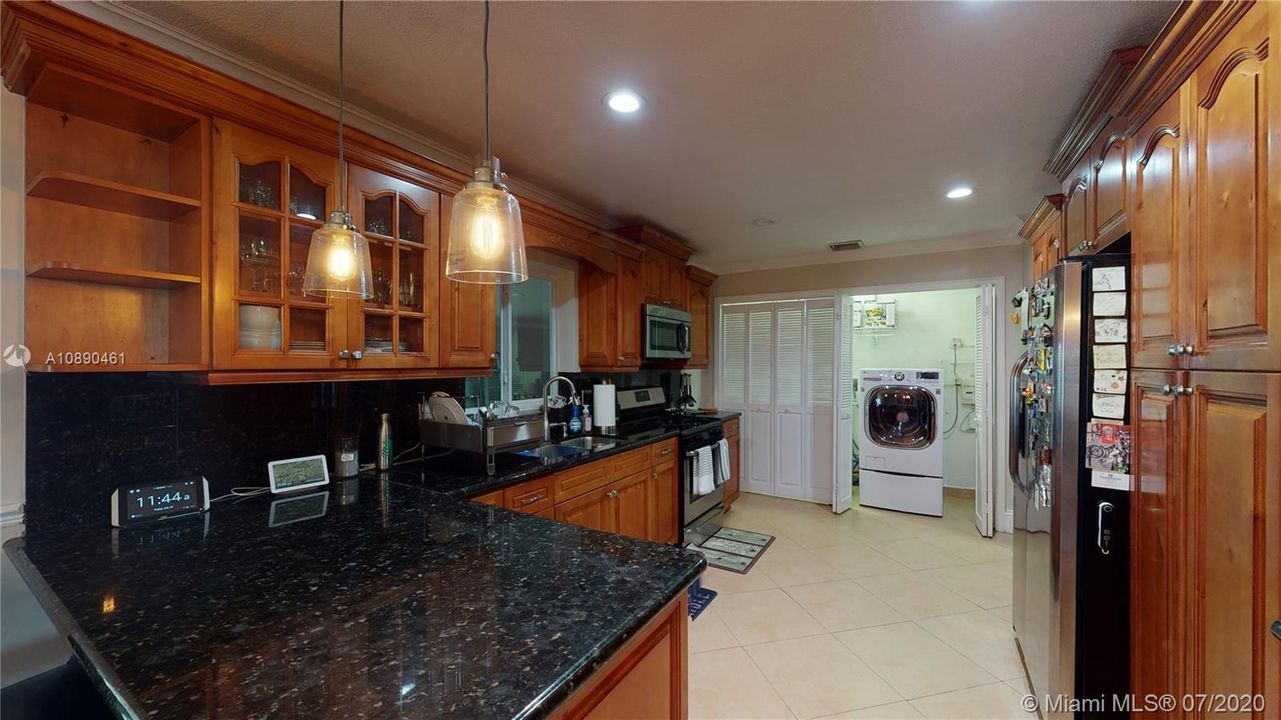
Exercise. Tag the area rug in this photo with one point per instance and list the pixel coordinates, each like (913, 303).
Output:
(699, 598)
(734, 550)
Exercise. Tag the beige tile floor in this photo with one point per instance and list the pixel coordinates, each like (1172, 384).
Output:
(868, 614)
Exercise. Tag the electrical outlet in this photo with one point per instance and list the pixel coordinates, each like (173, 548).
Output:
(957, 343)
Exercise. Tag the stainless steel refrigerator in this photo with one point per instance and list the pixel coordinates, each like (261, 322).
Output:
(1071, 559)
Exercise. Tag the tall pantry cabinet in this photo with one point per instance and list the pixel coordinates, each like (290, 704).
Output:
(1205, 174)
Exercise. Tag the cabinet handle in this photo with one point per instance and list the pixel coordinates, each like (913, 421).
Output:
(620, 358)
(613, 494)
(1174, 350)
(1187, 349)
(665, 451)
(1183, 390)
(344, 354)
(1167, 389)
(530, 500)
(356, 354)
(493, 356)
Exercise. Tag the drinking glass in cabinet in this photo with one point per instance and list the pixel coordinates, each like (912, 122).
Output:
(378, 215)
(299, 246)
(259, 327)
(410, 289)
(259, 255)
(306, 198)
(412, 223)
(260, 184)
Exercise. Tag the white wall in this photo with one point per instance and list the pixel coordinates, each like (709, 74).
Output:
(28, 642)
(927, 322)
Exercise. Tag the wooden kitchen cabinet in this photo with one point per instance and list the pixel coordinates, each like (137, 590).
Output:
(1044, 232)
(609, 322)
(593, 509)
(733, 482)
(1234, 166)
(397, 328)
(1108, 182)
(269, 196)
(629, 299)
(1158, 237)
(663, 265)
(665, 503)
(699, 304)
(468, 312)
(630, 499)
(673, 281)
(1078, 230)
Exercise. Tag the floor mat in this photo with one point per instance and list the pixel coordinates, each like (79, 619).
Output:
(734, 550)
(699, 598)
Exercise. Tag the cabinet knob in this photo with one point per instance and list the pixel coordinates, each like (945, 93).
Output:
(1187, 349)
(1183, 390)
(620, 358)
(493, 356)
(1174, 350)
(356, 355)
(344, 354)
(653, 475)
(1167, 389)
(613, 494)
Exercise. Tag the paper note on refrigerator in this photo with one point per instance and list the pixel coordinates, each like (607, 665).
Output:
(1111, 330)
(1109, 356)
(1110, 381)
(1109, 304)
(1107, 279)
(1110, 480)
(1108, 406)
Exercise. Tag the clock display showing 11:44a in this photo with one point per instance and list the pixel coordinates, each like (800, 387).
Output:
(148, 501)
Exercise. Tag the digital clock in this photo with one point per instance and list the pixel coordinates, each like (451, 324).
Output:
(131, 504)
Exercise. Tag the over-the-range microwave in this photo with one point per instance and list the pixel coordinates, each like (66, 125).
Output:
(667, 333)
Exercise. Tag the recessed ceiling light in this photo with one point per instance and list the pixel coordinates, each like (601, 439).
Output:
(765, 221)
(960, 192)
(624, 101)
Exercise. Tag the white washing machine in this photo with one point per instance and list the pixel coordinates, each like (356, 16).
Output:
(901, 453)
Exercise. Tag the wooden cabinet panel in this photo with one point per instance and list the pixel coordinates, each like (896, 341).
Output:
(1076, 220)
(1156, 533)
(468, 312)
(1235, 143)
(653, 270)
(661, 452)
(531, 497)
(645, 692)
(629, 300)
(665, 501)
(630, 501)
(1109, 185)
(1157, 237)
(397, 328)
(597, 318)
(575, 481)
(732, 482)
(593, 509)
(1234, 534)
(629, 462)
(673, 282)
(699, 305)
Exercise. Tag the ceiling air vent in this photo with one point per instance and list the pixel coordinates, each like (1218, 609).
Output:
(843, 246)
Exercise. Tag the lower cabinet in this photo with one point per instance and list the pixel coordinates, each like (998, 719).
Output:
(665, 510)
(648, 678)
(735, 456)
(593, 510)
(1207, 535)
(630, 498)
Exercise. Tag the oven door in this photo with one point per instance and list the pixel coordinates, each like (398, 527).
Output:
(666, 338)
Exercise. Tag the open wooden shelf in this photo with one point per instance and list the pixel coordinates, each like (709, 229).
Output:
(57, 270)
(95, 192)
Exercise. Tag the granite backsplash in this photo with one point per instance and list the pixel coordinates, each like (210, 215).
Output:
(89, 433)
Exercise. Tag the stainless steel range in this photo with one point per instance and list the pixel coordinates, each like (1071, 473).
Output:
(645, 409)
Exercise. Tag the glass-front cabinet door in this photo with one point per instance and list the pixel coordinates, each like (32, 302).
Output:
(269, 197)
(396, 328)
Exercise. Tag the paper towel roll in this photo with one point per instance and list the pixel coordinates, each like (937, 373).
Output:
(604, 406)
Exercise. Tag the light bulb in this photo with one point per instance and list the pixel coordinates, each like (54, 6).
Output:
(486, 236)
(341, 263)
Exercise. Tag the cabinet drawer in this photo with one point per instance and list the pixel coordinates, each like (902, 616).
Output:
(529, 497)
(632, 461)
(662, 451)
(576, 481)
(731, 427)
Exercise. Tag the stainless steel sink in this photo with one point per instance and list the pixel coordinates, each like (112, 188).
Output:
(589, 443)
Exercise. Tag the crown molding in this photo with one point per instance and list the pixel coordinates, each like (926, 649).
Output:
(1094, 113)
(907, 248)
(1047, 211)
(130, 21)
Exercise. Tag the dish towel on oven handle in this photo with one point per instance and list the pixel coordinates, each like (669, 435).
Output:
(722, 462)
(704, 473)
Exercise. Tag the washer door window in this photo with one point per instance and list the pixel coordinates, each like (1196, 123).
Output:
(901, 417)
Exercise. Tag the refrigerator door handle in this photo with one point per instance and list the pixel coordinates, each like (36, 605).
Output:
(1015, 420)
(1104, 537)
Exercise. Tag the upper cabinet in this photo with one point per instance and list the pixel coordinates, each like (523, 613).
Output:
(663, 265)
(469, 313)
(1234, 165)
(397, 327)
(269, 196)
(1108, 180)
(699, 304)
(1044, 232)
(1078, 230)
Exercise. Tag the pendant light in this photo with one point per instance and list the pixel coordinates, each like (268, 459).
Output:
(486, 240)
(338, 261)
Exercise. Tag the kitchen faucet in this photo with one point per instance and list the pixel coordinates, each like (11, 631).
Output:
(547, 427)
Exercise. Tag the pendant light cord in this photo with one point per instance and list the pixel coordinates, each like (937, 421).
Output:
(342, 102)
(485, 52)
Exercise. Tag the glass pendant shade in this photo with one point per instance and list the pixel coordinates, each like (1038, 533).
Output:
(486, 239)
(338, 261)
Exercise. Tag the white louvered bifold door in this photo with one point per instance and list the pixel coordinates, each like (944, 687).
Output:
(759, 411)
(984, 333)
(790, 451)
(820, 392)
(843, 412)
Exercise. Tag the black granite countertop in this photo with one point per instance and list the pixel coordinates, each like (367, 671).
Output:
(460, 474)
(372, 600)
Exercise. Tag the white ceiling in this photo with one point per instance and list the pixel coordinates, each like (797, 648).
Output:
(843, 120)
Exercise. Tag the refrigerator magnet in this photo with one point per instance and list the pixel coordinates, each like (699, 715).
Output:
(1109, 406)
(1109, 304)
(1111, 382)
(1108, 279)
(1111, 330)
(1109, 356)
(1110, 480)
